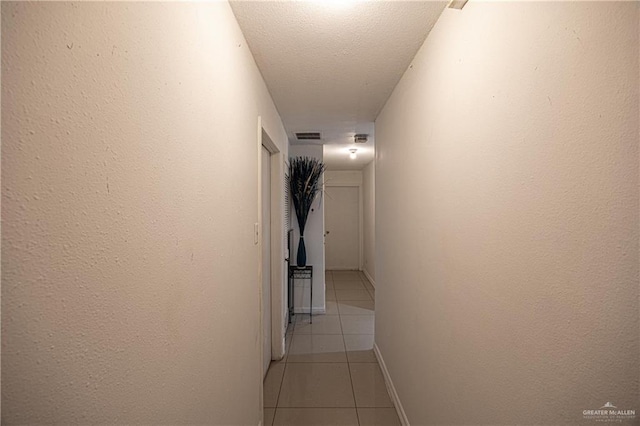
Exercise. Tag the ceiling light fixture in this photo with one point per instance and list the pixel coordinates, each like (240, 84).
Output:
(353, 153)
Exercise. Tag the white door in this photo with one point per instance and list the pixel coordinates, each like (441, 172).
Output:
(266, 258)
(342, 227)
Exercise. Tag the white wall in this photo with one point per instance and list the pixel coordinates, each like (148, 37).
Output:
(509, 150)
(369, 221)
(313, 242)
(343, 178)
(130, 289)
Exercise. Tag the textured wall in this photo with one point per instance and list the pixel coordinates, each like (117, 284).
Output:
(369, 213)
(507, 216)
(130, 286)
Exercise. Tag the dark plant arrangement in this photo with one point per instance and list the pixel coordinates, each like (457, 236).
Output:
(304, 184)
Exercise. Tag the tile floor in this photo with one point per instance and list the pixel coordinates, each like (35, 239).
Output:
(330, 375)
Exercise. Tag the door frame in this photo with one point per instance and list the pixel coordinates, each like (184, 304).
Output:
(267, 255)
(278, 276)
(335, 182)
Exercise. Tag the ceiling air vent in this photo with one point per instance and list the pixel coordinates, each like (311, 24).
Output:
(360, 138)
(308, 136)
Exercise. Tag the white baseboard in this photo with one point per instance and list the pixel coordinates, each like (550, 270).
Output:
(316, 311)
(391, 388)
(366, 274)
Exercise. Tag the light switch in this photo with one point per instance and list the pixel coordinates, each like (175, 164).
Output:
(256, 232)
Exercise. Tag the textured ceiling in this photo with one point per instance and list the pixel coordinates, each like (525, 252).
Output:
(331, 65)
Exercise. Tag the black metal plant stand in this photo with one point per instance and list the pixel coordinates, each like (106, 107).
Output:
(302, 273)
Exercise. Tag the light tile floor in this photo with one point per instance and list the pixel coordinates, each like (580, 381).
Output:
(330, 375)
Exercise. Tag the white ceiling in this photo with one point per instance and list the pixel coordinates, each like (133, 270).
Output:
(330, 65)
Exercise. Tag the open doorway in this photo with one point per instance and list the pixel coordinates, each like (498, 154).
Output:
(350, 220)
(272, 242)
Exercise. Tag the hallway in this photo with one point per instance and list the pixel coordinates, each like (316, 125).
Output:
(330, 375)
(495, 148)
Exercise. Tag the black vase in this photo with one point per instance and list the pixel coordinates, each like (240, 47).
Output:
(302, 252)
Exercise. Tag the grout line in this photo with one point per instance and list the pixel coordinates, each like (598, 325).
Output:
(284, 370)
(275, 410)
(322, 408)
(346, 352)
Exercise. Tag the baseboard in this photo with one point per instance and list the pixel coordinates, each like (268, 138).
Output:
(390, 387)
(316, 311)
(366, 274)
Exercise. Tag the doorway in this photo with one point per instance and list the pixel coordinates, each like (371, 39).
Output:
(270, 238)
(342, 224)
